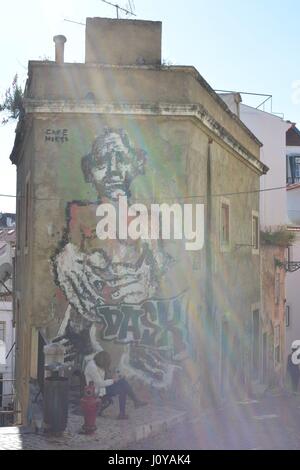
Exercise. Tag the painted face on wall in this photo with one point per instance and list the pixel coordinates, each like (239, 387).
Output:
(113, 163)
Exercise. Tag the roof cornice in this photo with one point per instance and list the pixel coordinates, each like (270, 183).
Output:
(196, 111)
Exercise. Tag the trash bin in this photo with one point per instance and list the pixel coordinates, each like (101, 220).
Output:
(56, 391)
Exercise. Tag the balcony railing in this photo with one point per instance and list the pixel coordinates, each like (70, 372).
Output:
(8, 407)
(293, 179)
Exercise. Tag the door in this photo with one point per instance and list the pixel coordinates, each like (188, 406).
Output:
(265, 359)
(255, 345)
(224, 357)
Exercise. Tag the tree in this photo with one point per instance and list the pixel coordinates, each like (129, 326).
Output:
(12, 104)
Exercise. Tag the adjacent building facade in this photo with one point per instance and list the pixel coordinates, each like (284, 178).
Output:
(293, 208)
(123, 125)
(7, 330)
(270, 328)
(271, 130)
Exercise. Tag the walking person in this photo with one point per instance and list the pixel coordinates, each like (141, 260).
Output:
(98, 371)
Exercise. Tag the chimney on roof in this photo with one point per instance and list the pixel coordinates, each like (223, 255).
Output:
(59, 48)
(123, 42)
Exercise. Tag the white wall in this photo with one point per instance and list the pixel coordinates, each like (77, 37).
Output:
(7, 370)
(6, 315)
(292, 150)
(233, 101)
(293, 206)
(271, 131)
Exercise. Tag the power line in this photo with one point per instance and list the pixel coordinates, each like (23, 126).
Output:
(195, 196)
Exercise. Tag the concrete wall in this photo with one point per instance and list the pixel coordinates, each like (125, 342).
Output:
(139, 42)
(24, 268)
(273, 315)
(147, 304)
(292, 295)
(88, 84)
(177, 152)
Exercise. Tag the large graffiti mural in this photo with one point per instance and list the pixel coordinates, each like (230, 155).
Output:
(113, 287)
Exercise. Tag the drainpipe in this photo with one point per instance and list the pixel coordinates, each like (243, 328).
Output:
(208, 237)
(211, 371)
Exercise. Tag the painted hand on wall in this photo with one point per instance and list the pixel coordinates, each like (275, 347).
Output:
(96, 278)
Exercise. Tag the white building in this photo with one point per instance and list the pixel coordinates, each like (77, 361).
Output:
(271, 131)
(7, 331)
(7, 339)
(293, 205)
(281, 153)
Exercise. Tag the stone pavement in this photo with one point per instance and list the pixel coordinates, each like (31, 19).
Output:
(269, 423)
(111, 433)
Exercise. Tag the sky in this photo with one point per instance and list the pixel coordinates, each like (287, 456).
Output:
(242, 45)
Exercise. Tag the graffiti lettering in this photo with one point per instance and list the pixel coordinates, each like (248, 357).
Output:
(155, 323)
(56, 135)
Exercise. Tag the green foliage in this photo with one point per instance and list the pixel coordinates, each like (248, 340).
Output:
(279, 237)
(12, 104)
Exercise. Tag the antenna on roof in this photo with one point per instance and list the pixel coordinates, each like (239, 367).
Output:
(76, 22)
(129, 10)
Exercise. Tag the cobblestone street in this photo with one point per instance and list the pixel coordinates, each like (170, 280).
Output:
(270, 423)
(110, 434)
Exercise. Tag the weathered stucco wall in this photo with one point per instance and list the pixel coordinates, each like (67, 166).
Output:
(132, 85)
(175, 170)
(156, 135)
(24, 266)
(65, 204)
(273, 313)
(139, 42)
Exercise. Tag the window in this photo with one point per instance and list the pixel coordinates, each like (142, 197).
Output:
(287, 316)
(2, 331)
(290, 254)
(18, 226)
(277, 345)
(255, 232)
(255, 344)
(277, 288)
(293, 169)
(225, 224)
(297, 167)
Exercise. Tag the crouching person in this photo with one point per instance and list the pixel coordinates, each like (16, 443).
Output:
(98, 370)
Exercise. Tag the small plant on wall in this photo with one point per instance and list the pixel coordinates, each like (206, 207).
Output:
(12, 104)
(280, 237)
